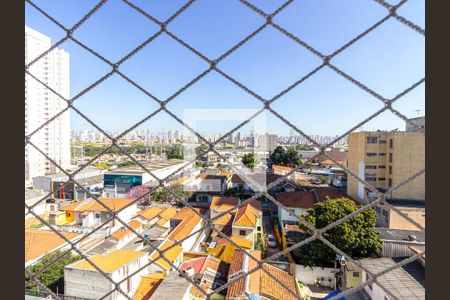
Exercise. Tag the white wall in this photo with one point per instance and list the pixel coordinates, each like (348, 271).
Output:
(375, 293)
(248, 233)
(283, 215)
(308, 276)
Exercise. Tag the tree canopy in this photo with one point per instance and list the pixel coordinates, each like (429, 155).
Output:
(53, 276)
(289, 157)
(249, 160)
(176, 152)
(357, 236)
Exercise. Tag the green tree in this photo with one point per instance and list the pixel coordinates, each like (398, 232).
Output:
(277, 156)
(289, 157)
(176, 152)
(249, 160)
(162, 195)
(53, 276)
(357, 236)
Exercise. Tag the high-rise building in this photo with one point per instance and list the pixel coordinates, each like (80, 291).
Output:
(384, 160)
(41, 104)
(268, 142)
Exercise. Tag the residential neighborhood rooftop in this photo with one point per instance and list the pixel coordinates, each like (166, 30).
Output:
(39, 242)
(114, 204)
(109, 262)
(406, 282)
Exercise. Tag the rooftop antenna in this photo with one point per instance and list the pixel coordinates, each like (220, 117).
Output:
(418, 111)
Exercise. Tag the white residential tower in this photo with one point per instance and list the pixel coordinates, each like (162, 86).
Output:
(41, 104)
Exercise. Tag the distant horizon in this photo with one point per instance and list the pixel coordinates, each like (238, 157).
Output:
(388, 60)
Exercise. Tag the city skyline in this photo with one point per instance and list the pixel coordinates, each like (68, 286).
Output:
(312, 108)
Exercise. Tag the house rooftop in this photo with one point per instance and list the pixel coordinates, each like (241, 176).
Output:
(247, 214)
(281, 168)
(150, 213)
(401, 235)
(39, 242)
(224, 203)
(173, 287)
(406, 282)
(109, 262)
(170, 254)
(148, 285)
(299, 199)
(121, 233)
(114, 204)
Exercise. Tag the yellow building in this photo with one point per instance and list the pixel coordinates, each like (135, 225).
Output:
(386, 159)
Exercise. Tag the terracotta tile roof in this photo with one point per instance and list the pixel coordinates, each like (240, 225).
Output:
(110, 262)
(166, 215)
(40, 242)
(148, 285)
(298, 199)
(247, 214)
(254, 281)
(281, 168)
(193, 255)
(271, 288)
(223, 203)
(150, 213)
(228, 175)
(215, 265)
(327, 162)
(244, 243)
(224, 220)
(321, 194)
(172, 254)
(121, 233)
(196, 264)
(189, 219)
(114, 204)
(258, 282)
(236, 288)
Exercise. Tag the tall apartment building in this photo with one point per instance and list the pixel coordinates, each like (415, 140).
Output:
(41, 105)
(268, 142)
(385, 159)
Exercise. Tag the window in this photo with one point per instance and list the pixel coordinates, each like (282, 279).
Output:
(382, 154)
(381, 167)
(391, 143)
(258, 228)
(371, 167)
(242, 232)
(390, 157)
(381, 179)
(381, 142)
(97, 215)
(372, 140)
(385, 213)
(390, 182)
(371, 179)
(68, 214)
(371, 154)
(355, 274)
(390, 169)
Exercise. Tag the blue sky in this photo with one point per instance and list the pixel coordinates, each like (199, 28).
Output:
(388, 60)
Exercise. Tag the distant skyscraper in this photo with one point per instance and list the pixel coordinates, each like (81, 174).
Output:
(41, 104)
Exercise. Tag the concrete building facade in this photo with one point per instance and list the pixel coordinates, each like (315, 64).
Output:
(384, 160)
(41, 104)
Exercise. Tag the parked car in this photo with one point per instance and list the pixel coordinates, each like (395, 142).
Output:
(314, 180)
(271, 241)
